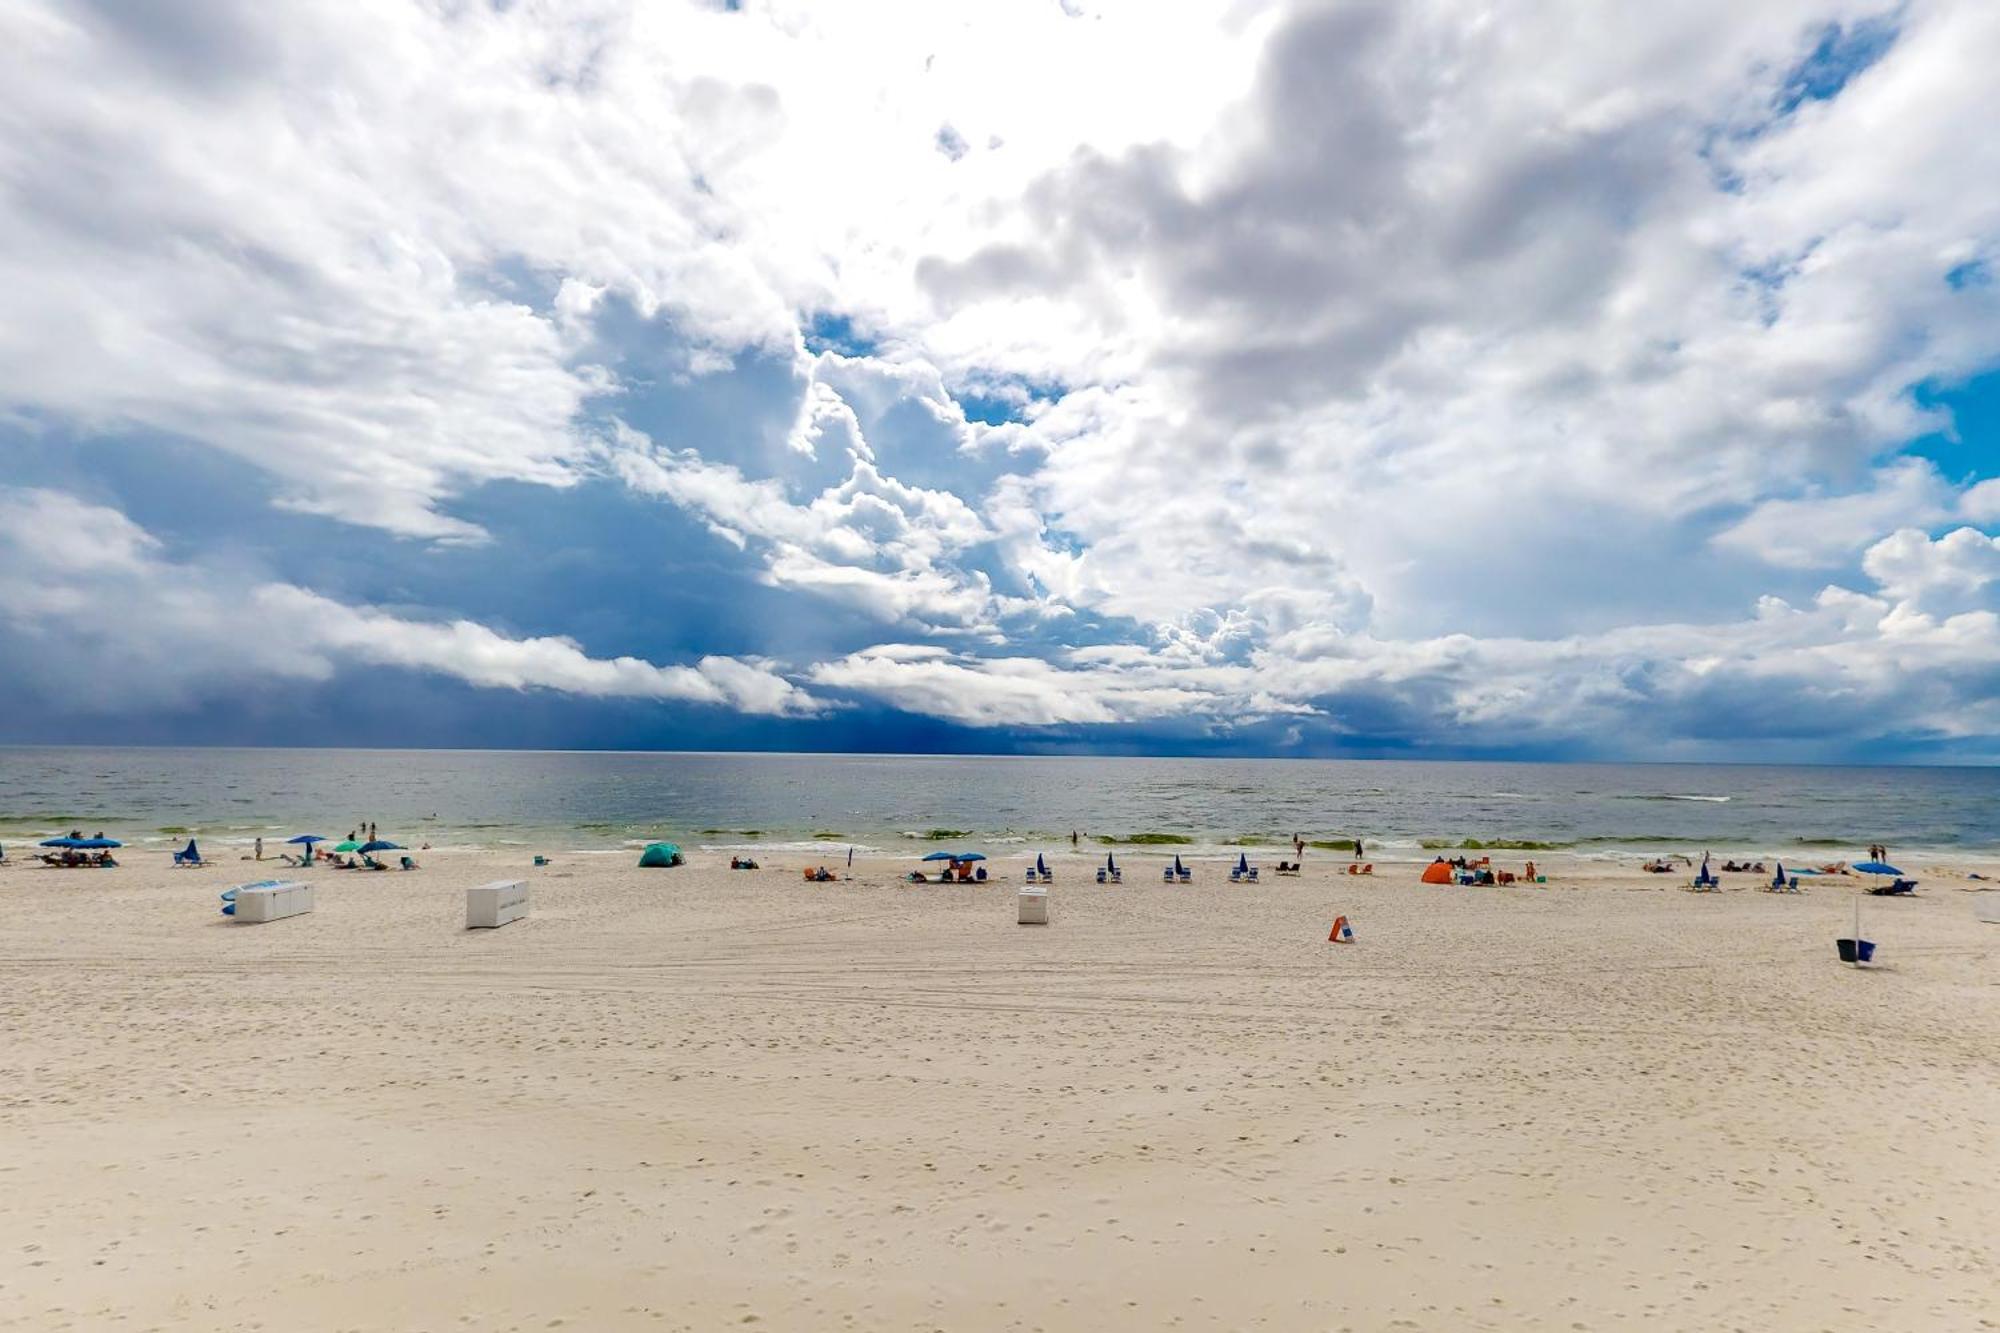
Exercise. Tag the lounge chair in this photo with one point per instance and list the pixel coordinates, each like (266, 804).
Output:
(1166, 874)
(408, 864)
(1186, 876)
(189, 856)
(1895, 889)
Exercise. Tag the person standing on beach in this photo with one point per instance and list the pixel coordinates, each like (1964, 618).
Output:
(260, 848)
(1072, 839)
(1299, 845)
(1357, 849)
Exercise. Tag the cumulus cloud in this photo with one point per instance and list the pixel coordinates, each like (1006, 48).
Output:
(115, 622)
(1394, 369)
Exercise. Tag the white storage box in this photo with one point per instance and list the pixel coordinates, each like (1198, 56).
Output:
(1034, 907)
(496, 904)
(258, 903)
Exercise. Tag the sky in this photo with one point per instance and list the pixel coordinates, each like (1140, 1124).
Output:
(1387, 377)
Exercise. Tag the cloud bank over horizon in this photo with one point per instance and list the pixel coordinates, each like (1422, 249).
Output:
(1270, 377)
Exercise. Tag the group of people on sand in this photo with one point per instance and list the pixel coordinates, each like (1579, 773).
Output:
(71, 858)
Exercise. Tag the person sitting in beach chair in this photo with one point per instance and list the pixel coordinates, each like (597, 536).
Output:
(918, 877)
(1895, 888)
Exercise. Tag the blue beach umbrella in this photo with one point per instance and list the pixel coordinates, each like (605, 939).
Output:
(1177, 864)
(1778, 880)
(71, 843)
(1243, 862)
(1041, 866)
(972, 856)
(307, 838)
(1110, 864)
(380, 845)
(98, 844)
(942, 856)
(1877, 868)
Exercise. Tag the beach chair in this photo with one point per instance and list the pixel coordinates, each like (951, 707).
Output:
(1235, 875)
(1895, 889)
(408, 864)
(1186, 875)
(1167, 875)
(189, 856)
(978, 875)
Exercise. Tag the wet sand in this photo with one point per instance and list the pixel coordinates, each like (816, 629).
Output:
(695, 1097)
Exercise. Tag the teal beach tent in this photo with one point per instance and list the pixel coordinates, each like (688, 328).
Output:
(661, 854)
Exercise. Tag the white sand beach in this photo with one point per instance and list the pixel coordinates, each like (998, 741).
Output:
(692, 1098)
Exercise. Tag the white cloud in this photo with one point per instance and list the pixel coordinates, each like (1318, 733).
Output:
(116, 623)
(1913, 568)
(1335, 332)
(1821, 531)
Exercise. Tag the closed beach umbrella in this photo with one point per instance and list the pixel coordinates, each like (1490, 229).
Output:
(1243, 862)
(1778, 881)
(1177, 864)
(1110, 864)
(1041, 866)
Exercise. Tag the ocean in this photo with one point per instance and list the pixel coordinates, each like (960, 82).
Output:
(601, 801)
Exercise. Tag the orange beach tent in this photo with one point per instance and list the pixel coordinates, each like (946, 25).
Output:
(1437, 872)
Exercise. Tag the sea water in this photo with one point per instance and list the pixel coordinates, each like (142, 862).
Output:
(599, 801)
